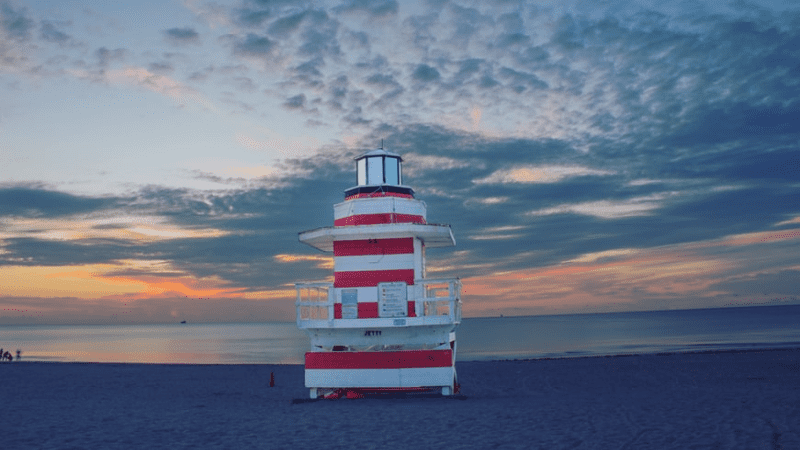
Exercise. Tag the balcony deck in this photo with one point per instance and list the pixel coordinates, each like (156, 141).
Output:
(438, 302)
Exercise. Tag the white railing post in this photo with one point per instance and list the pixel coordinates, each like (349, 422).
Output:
(330, 305)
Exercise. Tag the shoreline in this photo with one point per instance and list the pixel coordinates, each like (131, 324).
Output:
(790, 347)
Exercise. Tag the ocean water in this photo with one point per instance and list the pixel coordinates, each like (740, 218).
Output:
(555, 336)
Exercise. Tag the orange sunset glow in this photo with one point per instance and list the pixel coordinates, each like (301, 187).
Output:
(161, 162)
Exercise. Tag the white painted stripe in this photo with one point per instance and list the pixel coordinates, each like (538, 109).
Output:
(380, 205)
(379, 378)
(365, 294)
(432, 235)
(373, 262)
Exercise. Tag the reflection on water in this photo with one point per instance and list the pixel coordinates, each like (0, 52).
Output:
(478, 339)
(240, 343)
(629, 333)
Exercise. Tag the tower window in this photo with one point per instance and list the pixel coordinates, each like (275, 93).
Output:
(361, 169)
(392, 171)
(375, 170)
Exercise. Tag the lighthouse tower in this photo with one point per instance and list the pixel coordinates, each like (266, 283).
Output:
(381, 325)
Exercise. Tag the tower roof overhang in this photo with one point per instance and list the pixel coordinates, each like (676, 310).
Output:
(432, 235)
(379, 152)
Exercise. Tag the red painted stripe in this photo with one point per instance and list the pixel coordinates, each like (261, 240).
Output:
(404, 359)
(379, 194)
(369, 278)
(411, 310)
(395, 246)
(368, 310)
(373, 219)
(337, 310)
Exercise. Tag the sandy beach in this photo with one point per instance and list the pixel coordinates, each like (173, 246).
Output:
(727, 400)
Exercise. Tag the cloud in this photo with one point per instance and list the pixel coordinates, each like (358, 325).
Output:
(606, 209)
(201, 75)
(286, 25)
(296, 102)
(249, 17)
(161, 68)
(426, 73)
(254, 45)
(373, 8)
(24, 201)
(14, 22)
(182, 36)
(521, 81)
(50, 33)
(105, 56)
(161, 84)
(543, 174)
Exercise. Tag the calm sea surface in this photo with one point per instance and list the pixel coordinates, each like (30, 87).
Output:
(478, 339)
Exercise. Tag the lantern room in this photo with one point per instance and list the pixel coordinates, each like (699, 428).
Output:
(379, 171)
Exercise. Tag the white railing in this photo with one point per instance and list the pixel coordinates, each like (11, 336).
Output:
(437, 301)
(440, 297)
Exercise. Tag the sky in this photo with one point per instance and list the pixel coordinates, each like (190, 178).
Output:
(158, 158)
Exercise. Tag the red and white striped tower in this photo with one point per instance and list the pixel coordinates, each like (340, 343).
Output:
(381, 324)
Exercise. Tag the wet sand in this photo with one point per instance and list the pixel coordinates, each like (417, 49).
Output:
(722, 400)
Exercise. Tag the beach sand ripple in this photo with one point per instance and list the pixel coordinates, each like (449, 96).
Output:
(722, 400)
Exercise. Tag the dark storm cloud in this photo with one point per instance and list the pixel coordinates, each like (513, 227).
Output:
(531, 56)
(254, 45)
(40, 202)
(161, 68)
(245, 84)
(338, 91)
(105, 56)
(309, 71)
(469, 67)
(49, 32)
(373, 8)
(320, 37)
(298, 101)
(519, 81)
(32, 251)
(382, 80)
(712, 86)
(286, 25)
(255, 13)
(261, 223)
(468, 22)
(250, 17)
(201, 75)
(186, 35)
(15, 22)
(426, 73)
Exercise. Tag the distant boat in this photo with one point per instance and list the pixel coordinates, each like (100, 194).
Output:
(183, 321)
